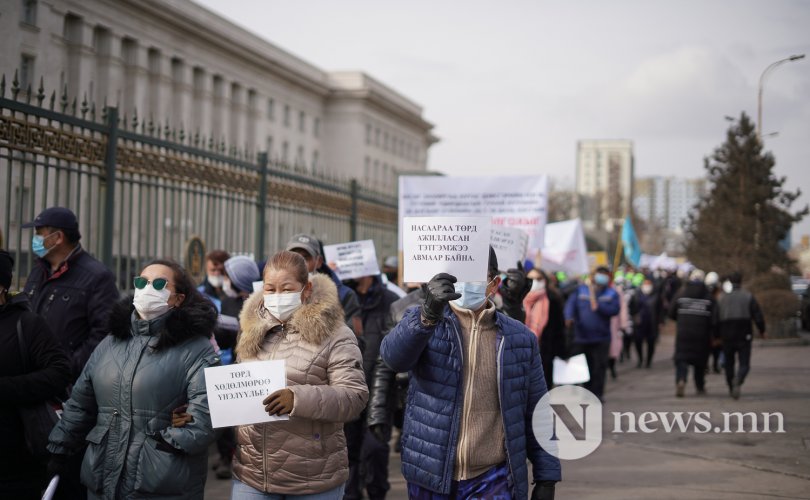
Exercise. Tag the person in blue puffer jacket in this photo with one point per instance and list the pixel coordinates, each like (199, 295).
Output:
(589, 310)
(475, 378)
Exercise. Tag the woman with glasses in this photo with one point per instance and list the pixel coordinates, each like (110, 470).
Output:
(298, 318)
(149, 367)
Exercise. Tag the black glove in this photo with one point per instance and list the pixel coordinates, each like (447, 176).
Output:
(378, 431)
(57, 464)
(516, 286)
(440, 291)
(543, 490)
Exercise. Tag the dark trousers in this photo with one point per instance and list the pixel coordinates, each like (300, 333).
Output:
(355, 431)
(596, 354)
(682, 372)
(370, 471)
(639, 341)
(226, 442)
(70, 487)
(731, 351)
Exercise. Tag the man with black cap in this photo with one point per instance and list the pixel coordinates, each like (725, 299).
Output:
(67, 286)
(476, 377)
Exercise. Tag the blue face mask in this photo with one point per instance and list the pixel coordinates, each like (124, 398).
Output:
(473, 294)
(38, 245)
(601, 279)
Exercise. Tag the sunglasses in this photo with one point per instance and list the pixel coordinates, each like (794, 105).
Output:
(158, 283)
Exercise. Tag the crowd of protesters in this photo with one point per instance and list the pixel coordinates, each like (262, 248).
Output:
(447, 372)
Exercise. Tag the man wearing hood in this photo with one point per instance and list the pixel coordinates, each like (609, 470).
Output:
(693, 309)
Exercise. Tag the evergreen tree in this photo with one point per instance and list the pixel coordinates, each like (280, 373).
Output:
(738, 225)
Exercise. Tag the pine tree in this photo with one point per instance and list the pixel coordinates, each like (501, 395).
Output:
(738, 225)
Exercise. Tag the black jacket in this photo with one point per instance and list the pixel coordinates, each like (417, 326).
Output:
(375, 309)
(48, 376)
(646, 311)
(694, 310)
(735, 312)
(383, 397)
(74, 301)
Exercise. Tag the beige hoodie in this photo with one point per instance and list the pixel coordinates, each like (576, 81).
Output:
(306, 454)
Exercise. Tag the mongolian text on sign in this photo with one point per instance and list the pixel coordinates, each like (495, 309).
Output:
(509, 244)
(454, 245)
(511, 201)
(353, 260)
(236, 392)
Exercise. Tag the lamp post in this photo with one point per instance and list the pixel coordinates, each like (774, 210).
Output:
(770, 68)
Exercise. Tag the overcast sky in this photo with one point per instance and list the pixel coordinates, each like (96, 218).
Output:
(512, 85)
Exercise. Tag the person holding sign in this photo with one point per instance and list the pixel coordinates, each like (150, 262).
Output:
(476, 378)
(148, 367)
(298, 318)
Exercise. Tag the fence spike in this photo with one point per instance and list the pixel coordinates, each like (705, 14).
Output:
(134, 119)
(166, 130)
(53, 99)
(123, 121)
(104, 112)
(28, 94)
(182, 135)
(197, 138)
(63, 101)
(222, 145)
(73, 107)
(211, 142)
(15, 86)
(93, 111)
(85, 108)
(3, 86)
(41, 91)
(151, 127)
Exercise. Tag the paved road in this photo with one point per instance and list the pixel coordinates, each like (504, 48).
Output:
(689, 465)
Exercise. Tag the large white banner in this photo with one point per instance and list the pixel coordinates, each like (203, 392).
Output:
(511, 201)
(565, 248)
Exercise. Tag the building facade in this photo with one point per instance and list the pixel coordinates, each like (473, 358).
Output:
(177, 64)
(667, 201)
(605, 172)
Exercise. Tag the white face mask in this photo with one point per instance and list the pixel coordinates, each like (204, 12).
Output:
(151, 303)
(728, 287)
(216, 280)
(538, 285)
(646, 289)
(282, 305)
(228, 289)
(473, 294)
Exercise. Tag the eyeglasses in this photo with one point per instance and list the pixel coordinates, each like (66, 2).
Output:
(158, 283)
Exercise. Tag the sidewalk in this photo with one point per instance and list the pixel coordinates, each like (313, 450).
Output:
(687, 465)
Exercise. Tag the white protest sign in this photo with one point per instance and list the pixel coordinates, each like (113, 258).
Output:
(565, 248)
(454, 245)
(511, 201)
(573, 371)
(353, 260)
(509, 244)
(235, 392)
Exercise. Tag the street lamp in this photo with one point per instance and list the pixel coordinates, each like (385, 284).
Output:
(771, 67)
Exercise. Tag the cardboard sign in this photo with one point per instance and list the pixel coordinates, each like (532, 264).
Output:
(353, 260)
(236, 392)
(509, 244)
(454, 245)
(510, 201)
(573, 371)
(565, 248)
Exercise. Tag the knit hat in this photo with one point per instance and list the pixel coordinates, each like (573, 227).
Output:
(6, 268)
(242, 271)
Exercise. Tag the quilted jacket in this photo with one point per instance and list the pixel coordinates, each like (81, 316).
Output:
(307, 453)
(433, 355)
(122, 403)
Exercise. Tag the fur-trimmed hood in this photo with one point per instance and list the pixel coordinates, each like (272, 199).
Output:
(316, 320)
(194, 319)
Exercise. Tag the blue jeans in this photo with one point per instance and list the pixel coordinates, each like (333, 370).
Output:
(241, 491)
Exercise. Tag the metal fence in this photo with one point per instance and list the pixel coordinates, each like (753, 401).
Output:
(168, 186)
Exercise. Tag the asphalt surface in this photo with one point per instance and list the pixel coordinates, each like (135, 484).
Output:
(688, 465)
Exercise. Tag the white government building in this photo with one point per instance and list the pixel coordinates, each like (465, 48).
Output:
(178, 63)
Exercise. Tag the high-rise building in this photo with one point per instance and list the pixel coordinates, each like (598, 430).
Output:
(604, 182)
(667, 201)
